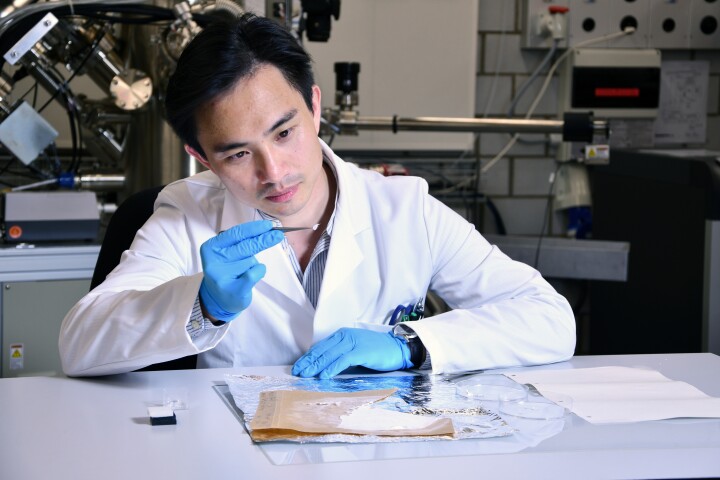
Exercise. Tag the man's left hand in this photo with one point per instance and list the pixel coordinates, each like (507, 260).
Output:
(349, 347)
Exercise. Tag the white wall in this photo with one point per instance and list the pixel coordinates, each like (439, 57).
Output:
(417, 58)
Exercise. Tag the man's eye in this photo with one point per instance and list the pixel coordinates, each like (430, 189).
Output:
(285, 133)
(237, 155)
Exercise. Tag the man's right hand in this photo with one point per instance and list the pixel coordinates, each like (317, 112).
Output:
(230, 268)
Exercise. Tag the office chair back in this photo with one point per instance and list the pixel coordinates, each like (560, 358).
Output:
(124, 224)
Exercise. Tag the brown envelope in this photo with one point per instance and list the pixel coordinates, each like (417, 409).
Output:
(288, 414)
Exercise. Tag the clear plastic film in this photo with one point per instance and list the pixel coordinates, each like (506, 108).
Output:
(425, 395)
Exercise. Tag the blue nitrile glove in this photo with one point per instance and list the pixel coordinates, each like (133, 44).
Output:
(349, 347)
(230, 268)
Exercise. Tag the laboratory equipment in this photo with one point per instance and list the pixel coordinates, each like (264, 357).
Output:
(613, 83)
(50, 216)
(501, 394)
(536, 406)
(128, 50)
(344, 119)
(491, 388)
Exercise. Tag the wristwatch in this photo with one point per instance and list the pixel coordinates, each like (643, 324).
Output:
(418, 352)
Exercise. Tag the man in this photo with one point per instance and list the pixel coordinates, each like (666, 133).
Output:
(207, 274)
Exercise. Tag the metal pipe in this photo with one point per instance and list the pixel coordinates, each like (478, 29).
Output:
(100, 182)
(601, 128)
(14, 6)
(450, 124)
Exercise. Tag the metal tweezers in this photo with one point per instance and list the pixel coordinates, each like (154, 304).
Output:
(292, 229)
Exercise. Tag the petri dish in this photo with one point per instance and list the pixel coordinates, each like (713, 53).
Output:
(175, 398)
(491, 388)
(537, 407)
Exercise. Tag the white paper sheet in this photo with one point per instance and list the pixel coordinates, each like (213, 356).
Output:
(682, 113)
(622, 394)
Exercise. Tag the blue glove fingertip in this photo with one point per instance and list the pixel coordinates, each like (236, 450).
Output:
(301, 366)
(250, 229)
(256, 273)
(297, 368)
(304, 373)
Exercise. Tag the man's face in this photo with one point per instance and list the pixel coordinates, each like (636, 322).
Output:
(261, 140)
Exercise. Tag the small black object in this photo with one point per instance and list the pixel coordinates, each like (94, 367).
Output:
(162, 416)
(346, 76)
(578, 127)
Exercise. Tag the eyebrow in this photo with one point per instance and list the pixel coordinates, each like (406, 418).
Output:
(224, 147)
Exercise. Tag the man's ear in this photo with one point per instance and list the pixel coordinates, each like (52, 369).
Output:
(317, 107)
(194, 153)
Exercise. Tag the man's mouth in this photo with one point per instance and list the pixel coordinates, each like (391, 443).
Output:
(282, 195)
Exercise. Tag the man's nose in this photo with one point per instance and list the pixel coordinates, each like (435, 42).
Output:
(269, 166)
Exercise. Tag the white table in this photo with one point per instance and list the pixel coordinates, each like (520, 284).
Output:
(77, 429)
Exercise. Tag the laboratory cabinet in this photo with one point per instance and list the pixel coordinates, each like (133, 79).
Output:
(32, 313)
(38, 285)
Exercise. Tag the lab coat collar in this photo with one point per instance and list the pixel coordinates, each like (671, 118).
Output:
(352, 216)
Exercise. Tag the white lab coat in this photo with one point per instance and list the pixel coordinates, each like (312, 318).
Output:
(391, 242)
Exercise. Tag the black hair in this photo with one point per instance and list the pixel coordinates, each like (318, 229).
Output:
(224, 52)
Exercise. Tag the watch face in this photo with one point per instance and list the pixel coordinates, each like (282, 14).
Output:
(405, 332)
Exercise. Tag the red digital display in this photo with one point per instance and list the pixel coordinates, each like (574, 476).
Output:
(617, 92)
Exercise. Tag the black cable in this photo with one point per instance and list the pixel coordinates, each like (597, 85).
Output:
(66, 83)
(499, 223)
(75, 168)
(57, 166)
(35, 95)
(91, 51)
(33, 87)
(582, 297)
(478, 178)
(546, 215)
(449, 182)
(55, 94)
(72, 121)
(129, 20)
(22, 174)
(7, 167)
(123, 13)
(113, 13)
(71, 105)
(52, 157)
(39, 173)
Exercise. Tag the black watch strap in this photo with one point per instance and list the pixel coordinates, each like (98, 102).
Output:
(418, 352)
